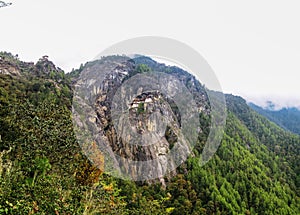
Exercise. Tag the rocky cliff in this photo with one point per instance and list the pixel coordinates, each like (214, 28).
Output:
(147, 114)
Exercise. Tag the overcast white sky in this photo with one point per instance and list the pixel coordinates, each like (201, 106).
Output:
(253, 46)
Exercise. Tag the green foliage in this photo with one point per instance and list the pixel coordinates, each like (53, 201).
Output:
(142, 68)
(283, 144)
(141, 108)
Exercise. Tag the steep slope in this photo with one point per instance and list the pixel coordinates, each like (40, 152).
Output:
(43, 170)
(140, 139)
(265, 164)
(287, 118)
(279, 141)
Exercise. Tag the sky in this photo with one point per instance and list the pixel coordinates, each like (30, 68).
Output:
(252, 46)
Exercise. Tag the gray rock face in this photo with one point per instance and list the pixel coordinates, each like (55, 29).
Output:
(8, 69)
(147, 123)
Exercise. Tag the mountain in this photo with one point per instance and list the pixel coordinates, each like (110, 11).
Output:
(43, 169)
(287, 118)
(139, 138)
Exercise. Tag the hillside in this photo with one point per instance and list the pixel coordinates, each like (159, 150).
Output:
(44, 171)
(287, 118)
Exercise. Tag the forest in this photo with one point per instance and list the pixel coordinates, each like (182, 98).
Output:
(287, 117)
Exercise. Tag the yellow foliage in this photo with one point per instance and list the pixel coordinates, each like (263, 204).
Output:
(88, 173)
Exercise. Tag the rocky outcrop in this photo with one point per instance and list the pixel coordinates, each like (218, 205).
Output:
(8, 67)
(140, 125)
(46, 66)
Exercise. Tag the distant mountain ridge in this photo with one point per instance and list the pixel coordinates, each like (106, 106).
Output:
(287, 118)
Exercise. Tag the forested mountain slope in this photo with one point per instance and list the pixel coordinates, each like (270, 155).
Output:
(43, 171)
(287, 118)
(279, 141)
